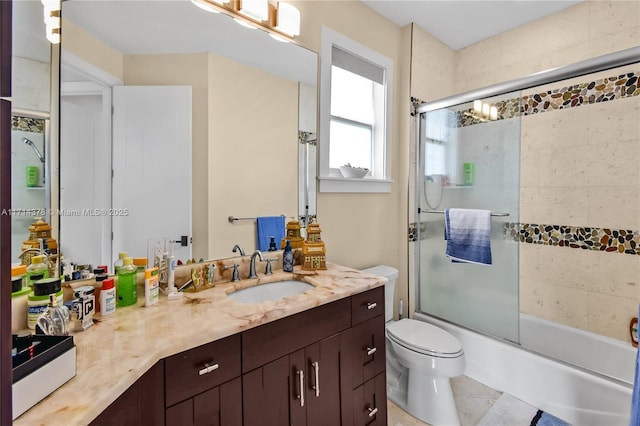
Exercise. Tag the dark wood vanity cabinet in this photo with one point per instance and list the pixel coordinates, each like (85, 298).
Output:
(324, 366)
(202, 386)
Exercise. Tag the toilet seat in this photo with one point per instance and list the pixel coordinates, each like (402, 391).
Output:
(424, 338)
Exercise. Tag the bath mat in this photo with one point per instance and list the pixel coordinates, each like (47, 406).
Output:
(510, 411)
(545, 419)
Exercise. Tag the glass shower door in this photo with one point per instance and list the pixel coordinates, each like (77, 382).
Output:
(470, 158)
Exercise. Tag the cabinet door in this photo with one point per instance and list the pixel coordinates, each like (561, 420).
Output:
(323, 385)
(366, 350)
(220, 406)
(142, 403)
(265, 394)
(370, 402)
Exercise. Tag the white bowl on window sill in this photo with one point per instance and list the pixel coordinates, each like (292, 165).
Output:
(353, 172)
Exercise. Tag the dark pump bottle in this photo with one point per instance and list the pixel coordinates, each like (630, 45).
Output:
(287, 258)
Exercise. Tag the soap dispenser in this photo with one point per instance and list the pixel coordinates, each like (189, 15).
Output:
(287, 258)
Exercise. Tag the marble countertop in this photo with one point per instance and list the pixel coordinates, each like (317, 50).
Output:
(119, 349)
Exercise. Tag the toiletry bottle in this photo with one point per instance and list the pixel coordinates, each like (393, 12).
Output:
(151, 286)
(107, 297)
(127, 289)
(468, 172)
(37, 267)
(55, 319)
(120, 262)
(272, 244)
(97, 285)
(171, 271)
(287, 258)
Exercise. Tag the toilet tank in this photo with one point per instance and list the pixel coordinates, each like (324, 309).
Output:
(391, 274)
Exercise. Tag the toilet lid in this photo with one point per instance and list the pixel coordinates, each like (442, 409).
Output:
(425, 338)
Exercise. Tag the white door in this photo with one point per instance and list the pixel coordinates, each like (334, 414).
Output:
(151, 168)
(85, 173)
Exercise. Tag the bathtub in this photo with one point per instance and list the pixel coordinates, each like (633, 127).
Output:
(577, 395)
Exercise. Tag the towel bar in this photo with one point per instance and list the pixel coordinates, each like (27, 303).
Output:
(233, 218)
(442, 212)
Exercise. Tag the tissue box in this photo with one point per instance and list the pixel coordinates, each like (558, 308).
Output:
(39, 368)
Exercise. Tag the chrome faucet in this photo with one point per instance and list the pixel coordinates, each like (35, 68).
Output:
(238, 248)
(252, 264)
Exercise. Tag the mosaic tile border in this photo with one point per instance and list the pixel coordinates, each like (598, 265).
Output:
(588, 238)
(591, 92)
(27, 124)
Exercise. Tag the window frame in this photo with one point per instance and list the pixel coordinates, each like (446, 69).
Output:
(330, 180)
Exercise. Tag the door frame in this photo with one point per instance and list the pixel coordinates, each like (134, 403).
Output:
(98, 83)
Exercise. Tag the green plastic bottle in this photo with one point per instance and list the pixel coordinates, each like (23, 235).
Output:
(118, 263)
(127, 288)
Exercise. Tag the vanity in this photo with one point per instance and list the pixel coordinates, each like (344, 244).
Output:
(314, 358)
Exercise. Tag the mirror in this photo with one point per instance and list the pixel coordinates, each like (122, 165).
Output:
(30, 122)
(252, 124)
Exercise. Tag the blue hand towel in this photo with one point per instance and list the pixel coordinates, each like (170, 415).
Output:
(635, 396)
(269, 226)
(468, 235)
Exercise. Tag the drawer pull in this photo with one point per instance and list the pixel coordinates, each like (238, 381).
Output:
(300, 395)
(208, 369)
(371, 305)
(316, 370)
(371, 351)
(372, 411)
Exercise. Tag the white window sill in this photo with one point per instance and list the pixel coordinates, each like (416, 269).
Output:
(342, 184)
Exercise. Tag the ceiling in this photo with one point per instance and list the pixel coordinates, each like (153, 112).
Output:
(179, 26)
(460, 23)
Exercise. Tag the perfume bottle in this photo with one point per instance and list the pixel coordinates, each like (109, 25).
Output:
(55, 320)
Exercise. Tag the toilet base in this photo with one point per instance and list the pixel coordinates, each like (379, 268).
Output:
(430, 399)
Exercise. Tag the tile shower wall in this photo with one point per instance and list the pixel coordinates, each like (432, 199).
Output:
(580, 207)
(573, 173)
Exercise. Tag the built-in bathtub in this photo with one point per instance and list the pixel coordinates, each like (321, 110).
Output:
(596, 393)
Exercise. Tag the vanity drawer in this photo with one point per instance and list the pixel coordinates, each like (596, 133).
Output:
(199, 369)
(367, 305)
(366, 351)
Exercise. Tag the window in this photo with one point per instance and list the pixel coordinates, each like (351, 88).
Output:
(354, 118)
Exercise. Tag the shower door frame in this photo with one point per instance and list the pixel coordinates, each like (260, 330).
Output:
(593, 65)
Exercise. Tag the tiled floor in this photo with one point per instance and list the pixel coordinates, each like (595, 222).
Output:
(473, 400)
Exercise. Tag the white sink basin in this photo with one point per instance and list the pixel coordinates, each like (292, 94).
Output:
(270, 291)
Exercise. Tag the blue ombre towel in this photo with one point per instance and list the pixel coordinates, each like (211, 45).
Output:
(635, 396)
(468, 235)
(269, 226)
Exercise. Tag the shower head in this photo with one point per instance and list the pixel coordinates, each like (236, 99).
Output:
(35, 148)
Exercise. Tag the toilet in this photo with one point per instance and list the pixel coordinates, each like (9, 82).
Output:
(421, 360)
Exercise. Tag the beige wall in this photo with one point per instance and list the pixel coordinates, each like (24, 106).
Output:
(188, 70)
(575, 163)
(362, 230)
(91, 49)
(253, 154)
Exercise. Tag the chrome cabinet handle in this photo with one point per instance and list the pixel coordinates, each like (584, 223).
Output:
(208, 369)
(300, 395)
(371, 305)
(372, 411)
(316, 370)
(371, 351)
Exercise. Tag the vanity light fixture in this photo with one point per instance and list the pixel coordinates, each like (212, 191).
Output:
(52, 20)
(286, 18)
(482, 111)
(254, 9)
(281, 20)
